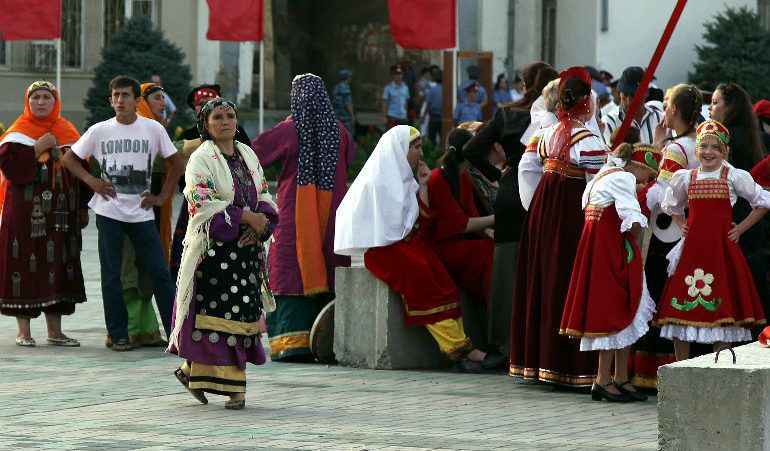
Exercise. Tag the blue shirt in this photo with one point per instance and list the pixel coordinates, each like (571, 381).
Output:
(467, 112)
(434, 99)
(341, 97)
(396, 97)
(482, 93)
(502, 97)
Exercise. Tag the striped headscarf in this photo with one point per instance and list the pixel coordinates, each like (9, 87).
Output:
(319, 141)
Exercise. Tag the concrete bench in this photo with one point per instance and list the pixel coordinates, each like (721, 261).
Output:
(721, 406)
(369, 329)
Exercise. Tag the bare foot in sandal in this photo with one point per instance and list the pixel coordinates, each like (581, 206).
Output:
(122, 345)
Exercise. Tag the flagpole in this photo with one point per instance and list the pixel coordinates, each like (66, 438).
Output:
(262, 85)
(58, 63)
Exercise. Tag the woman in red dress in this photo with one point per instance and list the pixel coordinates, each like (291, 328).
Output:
(460, 238)
(383, 216)
(710, 296)
(570, 154)
(608, 306)
(42, 213)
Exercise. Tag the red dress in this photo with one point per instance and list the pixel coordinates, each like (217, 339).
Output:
(549, 242)
(467, 258)
(410, 268)
(40, 238)
(712, 285)
(606, 285)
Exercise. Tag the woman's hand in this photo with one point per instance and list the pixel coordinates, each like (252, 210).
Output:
(44, 143)
(681, 221)
(256, 222)
(423, 173)
(662, 133)
(83, 218)
(734, 233)
(248, 237)
(489, 233)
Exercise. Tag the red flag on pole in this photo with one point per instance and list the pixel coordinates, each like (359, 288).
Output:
(30, 19)
(427, 24)
(236, 20)
(641, 92)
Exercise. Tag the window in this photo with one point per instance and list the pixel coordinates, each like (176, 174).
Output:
(5, 53)
(763, 9)
(117, 11)
(72, 34)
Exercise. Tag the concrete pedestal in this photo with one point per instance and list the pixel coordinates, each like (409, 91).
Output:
(369, 330)
(716, 406)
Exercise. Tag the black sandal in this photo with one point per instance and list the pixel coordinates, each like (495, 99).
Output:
(185, 380)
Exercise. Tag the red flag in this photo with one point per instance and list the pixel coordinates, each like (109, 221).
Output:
(427, 24)
(30, 19)
(236, 20)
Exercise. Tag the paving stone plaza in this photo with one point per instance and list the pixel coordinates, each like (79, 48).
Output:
(93, 398)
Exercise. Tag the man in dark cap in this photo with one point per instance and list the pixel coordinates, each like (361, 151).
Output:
(433, 105)
(342, 97)
(394, 99)
(474, 72)
(645, 118)
(597, 84)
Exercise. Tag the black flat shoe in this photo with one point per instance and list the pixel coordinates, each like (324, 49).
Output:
(185, 380)
(467, 366)
(633, 394)
(492, 361)
(599, 392)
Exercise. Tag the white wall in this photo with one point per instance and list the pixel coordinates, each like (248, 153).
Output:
(635, 28)
(493, 32)
(576, 27)
(207, 58)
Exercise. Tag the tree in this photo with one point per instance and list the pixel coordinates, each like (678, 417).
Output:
(736, 51)
(139, 50)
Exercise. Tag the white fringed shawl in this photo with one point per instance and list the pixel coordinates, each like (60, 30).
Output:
(209, 189)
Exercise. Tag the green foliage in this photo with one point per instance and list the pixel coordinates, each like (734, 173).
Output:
(736, 51)
(139, 50)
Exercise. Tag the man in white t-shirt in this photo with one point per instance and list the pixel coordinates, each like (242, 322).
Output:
(125, 147)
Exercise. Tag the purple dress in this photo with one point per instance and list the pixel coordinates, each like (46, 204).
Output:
(212, 296)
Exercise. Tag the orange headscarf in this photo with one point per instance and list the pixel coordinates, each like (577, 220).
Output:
(144, 108)
(35, 127)
(166, 209)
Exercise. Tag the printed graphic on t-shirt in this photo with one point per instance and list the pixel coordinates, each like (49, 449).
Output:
(126, 163)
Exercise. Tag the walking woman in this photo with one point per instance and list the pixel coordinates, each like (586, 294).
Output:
(315, 150)
(218, 305)
(570, 155)
(43, 209)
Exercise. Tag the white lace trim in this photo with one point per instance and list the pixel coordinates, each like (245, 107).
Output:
(674, 256)
(729, 334)
(631, 218)
(634, 331)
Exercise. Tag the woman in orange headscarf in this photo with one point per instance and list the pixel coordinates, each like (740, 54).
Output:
(43, 208)
(143, 328)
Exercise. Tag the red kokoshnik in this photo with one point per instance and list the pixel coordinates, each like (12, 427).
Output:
(561, 138)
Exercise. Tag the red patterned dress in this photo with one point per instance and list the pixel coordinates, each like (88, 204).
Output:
(608, 305)
(710, 295)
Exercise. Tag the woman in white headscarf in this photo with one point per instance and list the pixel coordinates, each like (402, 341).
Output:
(381, 217)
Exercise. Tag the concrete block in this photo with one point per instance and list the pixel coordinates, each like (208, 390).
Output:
(369, 329)
(721, 406)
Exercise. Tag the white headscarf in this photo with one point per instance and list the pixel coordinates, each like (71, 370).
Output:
(380, 207)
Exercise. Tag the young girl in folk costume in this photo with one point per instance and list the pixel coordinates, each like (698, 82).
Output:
(608, 306)
(681, 115)
(710, 297)
(570, 154)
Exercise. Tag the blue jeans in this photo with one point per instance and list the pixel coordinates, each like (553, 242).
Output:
(146, 240)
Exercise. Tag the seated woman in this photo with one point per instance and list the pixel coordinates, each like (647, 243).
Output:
(382, 217)
(459, 236)
(218, 305)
